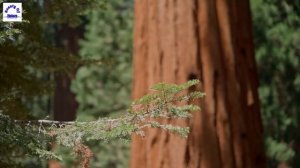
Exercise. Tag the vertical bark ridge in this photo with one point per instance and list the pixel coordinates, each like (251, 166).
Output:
(155, 150)
(190, 45)
(222, 116)
(249, 80)
(232, 85)
(212, 74)
(139, 86)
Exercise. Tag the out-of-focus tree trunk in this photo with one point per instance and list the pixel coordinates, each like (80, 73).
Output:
(64, 100)
(65, 104)
(211, 40)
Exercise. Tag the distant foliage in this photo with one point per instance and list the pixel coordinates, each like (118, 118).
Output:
(104, 89)
(277, 39)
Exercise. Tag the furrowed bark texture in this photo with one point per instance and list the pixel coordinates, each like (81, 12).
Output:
(211, 40)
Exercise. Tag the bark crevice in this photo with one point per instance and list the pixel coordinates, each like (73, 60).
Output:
(197, 37)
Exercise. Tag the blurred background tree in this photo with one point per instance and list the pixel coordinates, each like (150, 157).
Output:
(104, 89)
(277, 38)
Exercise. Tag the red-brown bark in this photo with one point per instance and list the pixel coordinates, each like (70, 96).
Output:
(64, 100)
(65, 105)
(211, 40)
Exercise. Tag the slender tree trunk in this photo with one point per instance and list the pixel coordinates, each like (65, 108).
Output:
(211, 40)
(64, 100)
(65, 105)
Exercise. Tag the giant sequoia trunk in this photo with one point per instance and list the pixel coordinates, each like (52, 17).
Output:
(178, 40)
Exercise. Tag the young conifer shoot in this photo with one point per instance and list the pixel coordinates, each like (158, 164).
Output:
(146, 112)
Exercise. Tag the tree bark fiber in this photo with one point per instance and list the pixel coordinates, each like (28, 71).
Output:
(211, 40)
